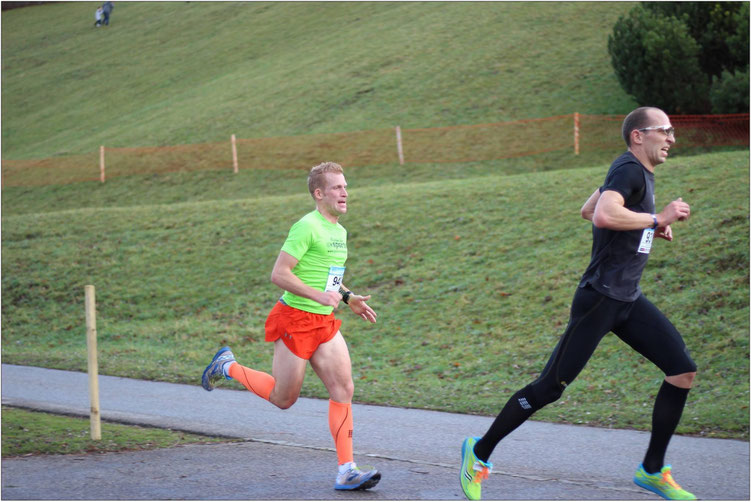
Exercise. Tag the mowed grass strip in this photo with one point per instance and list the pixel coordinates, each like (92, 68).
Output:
(28, 432)
(216, 185)
(472, 279)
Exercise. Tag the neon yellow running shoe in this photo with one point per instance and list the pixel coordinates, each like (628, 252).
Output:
(473, 470)
(662, 483)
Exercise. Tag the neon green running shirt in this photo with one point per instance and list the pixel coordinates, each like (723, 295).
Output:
(320, 248)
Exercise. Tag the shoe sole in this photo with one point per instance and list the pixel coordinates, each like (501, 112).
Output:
(370, 483)
(650, 488)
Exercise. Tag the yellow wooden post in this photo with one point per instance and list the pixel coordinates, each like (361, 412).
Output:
(234, 154)
(96, 429)
(399, 149)
(101, 163)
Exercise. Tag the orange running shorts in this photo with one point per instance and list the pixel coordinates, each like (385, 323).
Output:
(302, 332)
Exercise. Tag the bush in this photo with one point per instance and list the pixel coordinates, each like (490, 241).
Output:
(712, 25)
(657, 62)
(738, 41)
(730, 92)
(670, 54)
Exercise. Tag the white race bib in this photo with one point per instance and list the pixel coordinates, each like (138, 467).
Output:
(334, 281)
(646, 240)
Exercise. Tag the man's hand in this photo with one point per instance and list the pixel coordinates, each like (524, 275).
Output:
(664, 233)
(675, 211)
(362, 309)
(329, 298)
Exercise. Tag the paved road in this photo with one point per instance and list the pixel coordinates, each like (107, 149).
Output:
(289, 454)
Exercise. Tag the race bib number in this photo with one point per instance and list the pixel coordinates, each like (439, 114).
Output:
(646, 240)
(334, 281)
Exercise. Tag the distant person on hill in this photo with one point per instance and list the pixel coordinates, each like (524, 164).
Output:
(98, 17)
(609, 299)
(309, 269)
(107, 8)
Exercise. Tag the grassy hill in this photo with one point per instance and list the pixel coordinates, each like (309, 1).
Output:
(166, 73)
(472, 279)
(472, 266)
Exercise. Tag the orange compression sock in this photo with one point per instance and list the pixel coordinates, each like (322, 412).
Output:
(258, 382)
(340, 423)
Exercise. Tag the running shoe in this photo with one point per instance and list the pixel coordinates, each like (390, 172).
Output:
(356, 479)
(214, 371)
(662, 483)
(473, 470)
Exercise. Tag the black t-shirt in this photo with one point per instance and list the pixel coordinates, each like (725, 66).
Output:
(619, 257)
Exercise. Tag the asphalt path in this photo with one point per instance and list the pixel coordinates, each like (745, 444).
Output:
(288, 454)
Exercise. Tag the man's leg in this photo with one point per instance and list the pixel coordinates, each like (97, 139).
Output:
(289, 372)
(666, 414)
(651, 334)
(332, 364)
(592, 316)
(283, 388)
(653, 474)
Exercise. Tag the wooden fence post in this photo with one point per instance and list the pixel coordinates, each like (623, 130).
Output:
(101, 163)
(234, 154)
(399, 149)
(90, 301)
(576, 133)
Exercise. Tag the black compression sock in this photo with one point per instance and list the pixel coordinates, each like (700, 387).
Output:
(667, 413)
(516, 411)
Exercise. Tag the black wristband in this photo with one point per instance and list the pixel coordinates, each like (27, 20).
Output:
(345, 295)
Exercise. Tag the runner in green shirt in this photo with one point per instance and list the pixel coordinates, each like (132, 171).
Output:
(320, 247)
(310, 268)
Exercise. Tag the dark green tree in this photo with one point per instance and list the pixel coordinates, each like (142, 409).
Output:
(698, 49)
(712, 25)
(730, 91)
(656, 60)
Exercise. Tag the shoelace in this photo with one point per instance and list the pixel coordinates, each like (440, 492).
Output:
(353, 474)
(480, 475)
(668, 478)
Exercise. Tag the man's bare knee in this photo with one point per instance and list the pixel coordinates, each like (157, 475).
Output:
(684, 380)
(285, 402)
(348, 390)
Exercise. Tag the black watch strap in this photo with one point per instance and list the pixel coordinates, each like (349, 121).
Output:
(345, 295)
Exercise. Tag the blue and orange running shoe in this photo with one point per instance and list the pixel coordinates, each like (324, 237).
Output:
(356, 479)
(473, 470)
(214, 372)
(662, 483)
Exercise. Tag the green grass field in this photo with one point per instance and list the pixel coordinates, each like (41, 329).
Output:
(472, 266)
(472, 279)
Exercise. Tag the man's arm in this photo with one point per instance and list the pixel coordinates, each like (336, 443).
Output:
(282, 276)
(610, 212)
(588, 209)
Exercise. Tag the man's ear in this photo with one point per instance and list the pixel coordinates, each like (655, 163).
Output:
(318, 194)
(636, 137)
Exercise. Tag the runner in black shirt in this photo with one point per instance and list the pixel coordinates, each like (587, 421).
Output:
(609, 299)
